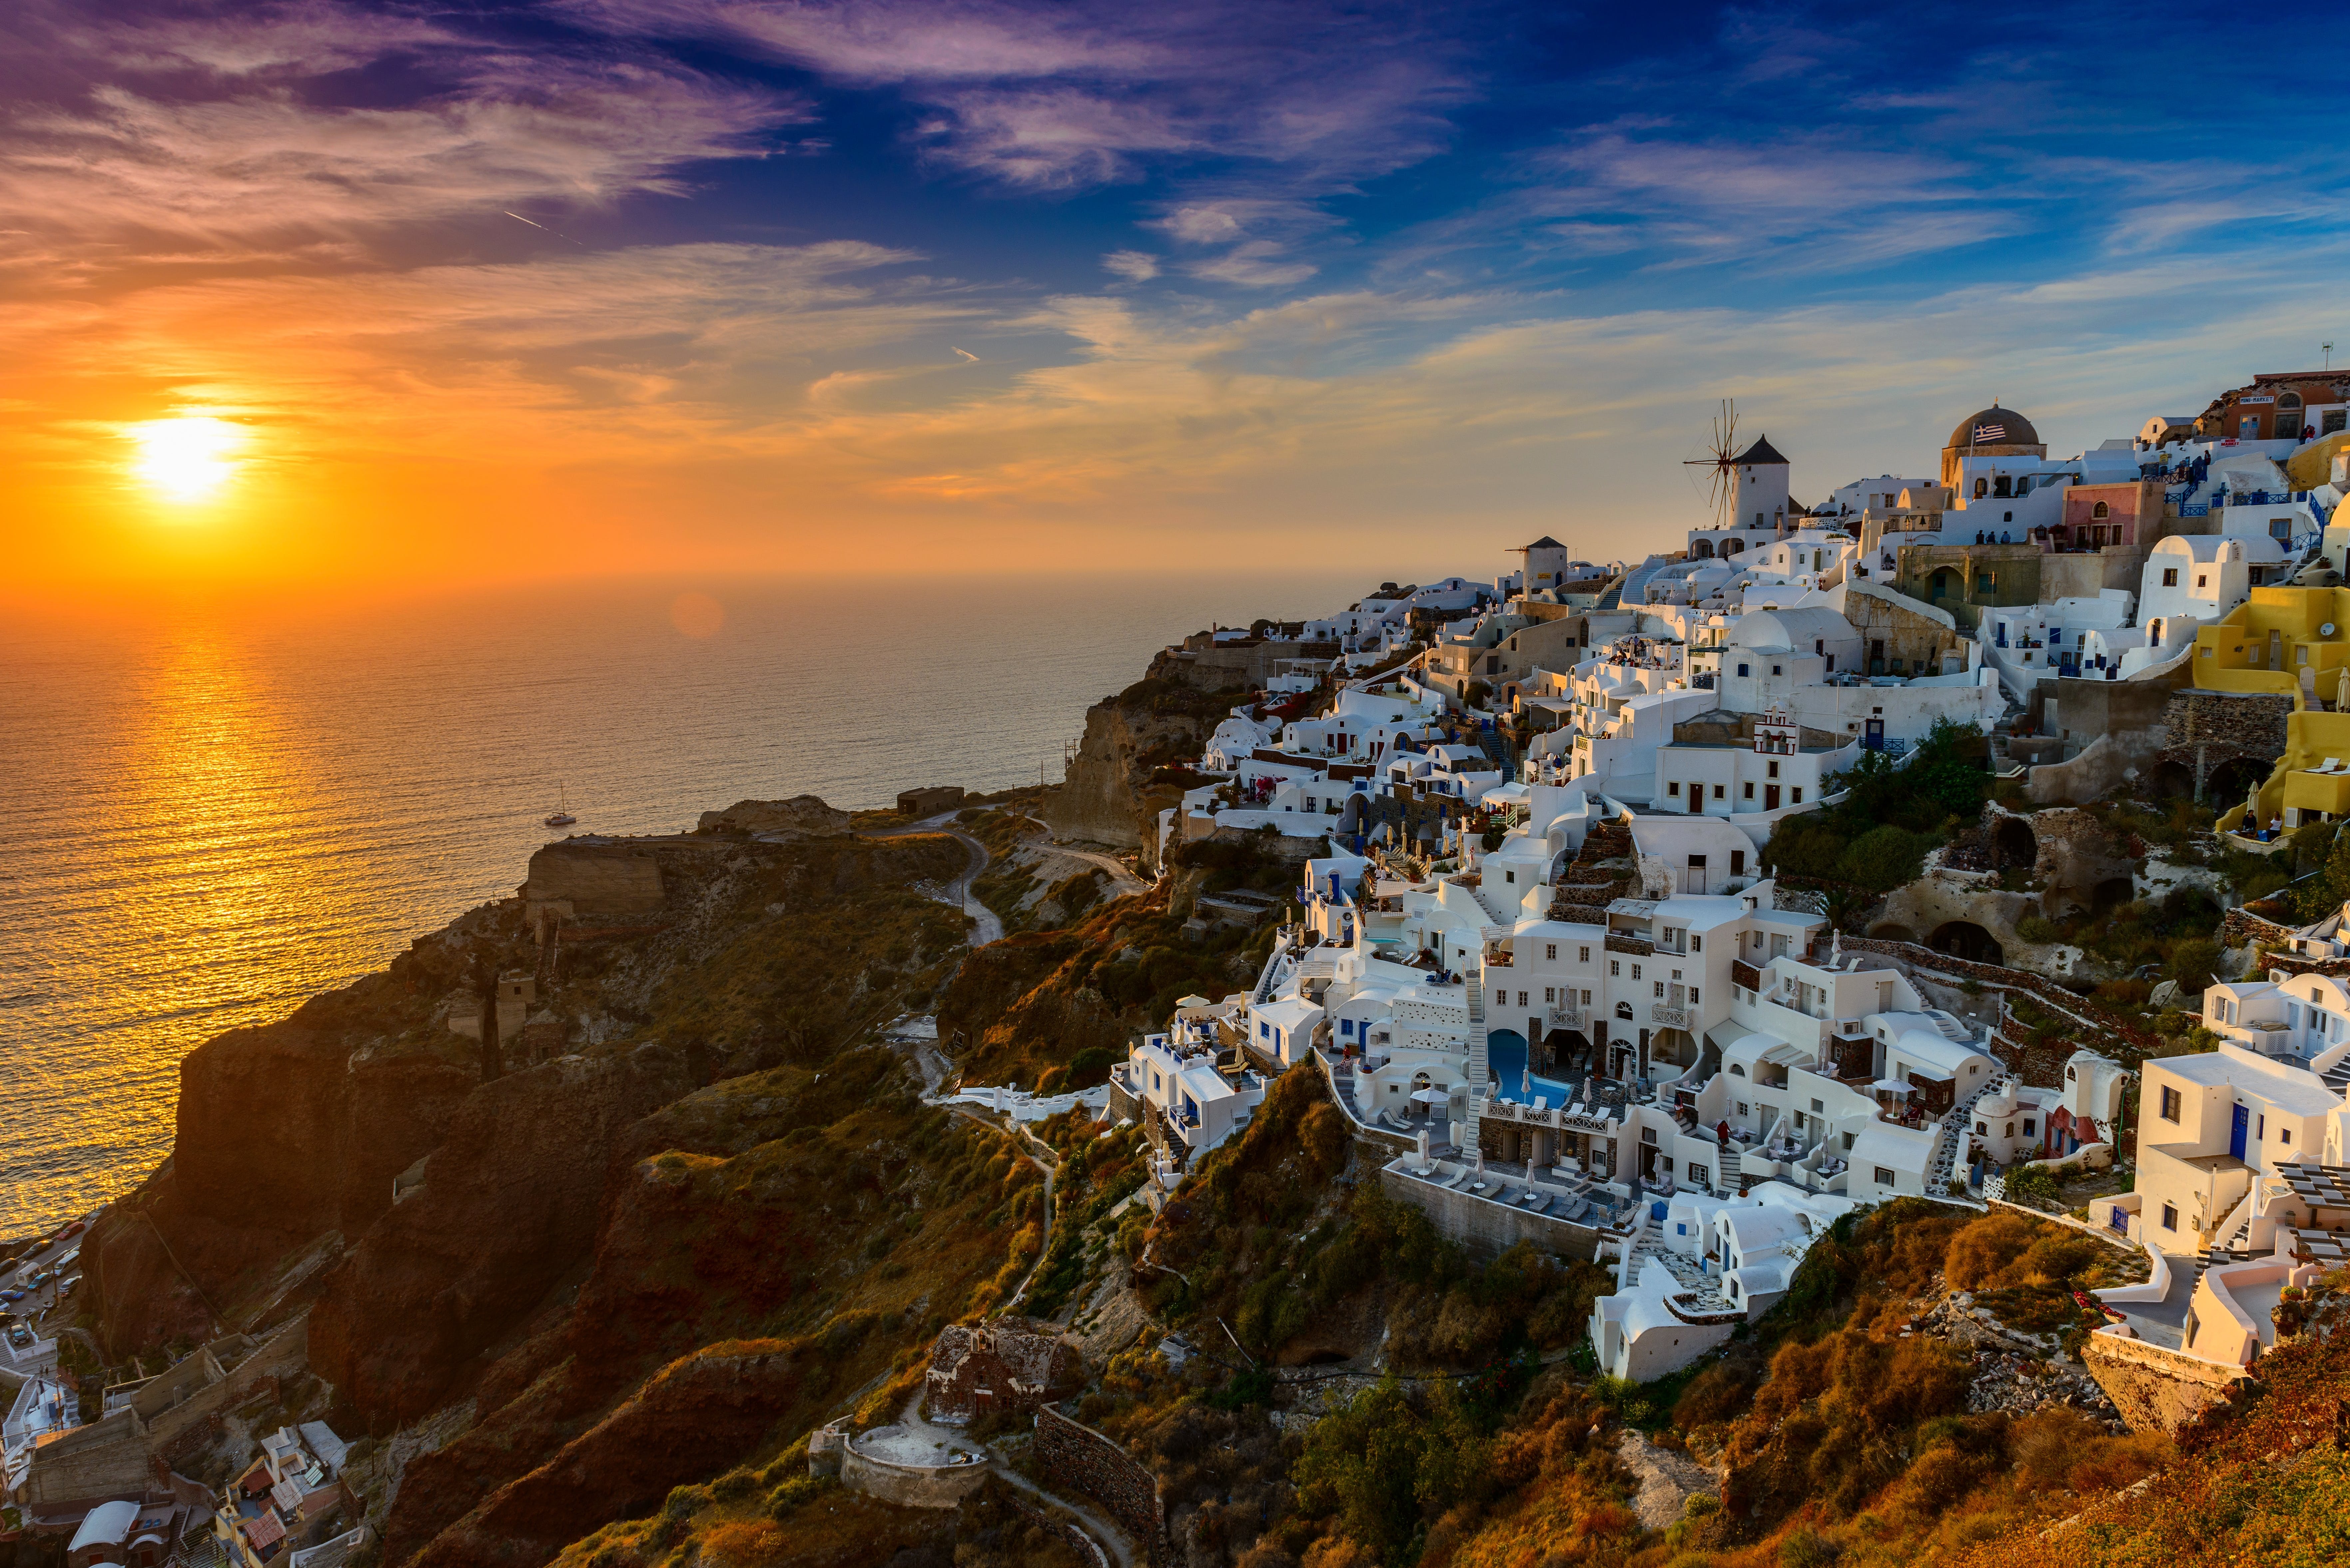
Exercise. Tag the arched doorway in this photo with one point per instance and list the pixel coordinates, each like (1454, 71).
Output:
(2234, 779)
(2014, 844)
(1702, 550)
(1945, 583)
(2172, 780)
(1733, 547)
(1965, 939)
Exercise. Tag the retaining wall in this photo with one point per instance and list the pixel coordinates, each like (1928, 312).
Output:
(2155, 1388)
(1072, 1457)
(1486, 1229)
(282, 1355)
(909, 1486)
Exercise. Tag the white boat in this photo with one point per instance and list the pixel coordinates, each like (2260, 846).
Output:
(561, 817)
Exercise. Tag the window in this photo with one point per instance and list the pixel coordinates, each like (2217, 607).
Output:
(1774, 770)
(2100, 512)
(1734, 855)
(1883, 1177)
(2169, 577)
(1742, 1108)
(2284, 1136)
(1550, 952)
(1673, 789)
(1775, 669)
(1660, 990)
(1737, 856)
(1692, 996)
(1550, 993)
(1798, 795)
(1635, 971)
(1583, 955)
(1615, 966)
(2027, 1127)
(1750, 791)
(2202, 578)
(1702, 1176)
(1649, 1136)
(1346, 1026)
(2169, 1217)
(1697, 944)
(1743, 671)
(2170, 1108)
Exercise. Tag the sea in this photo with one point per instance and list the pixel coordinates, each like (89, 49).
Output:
(213, 810)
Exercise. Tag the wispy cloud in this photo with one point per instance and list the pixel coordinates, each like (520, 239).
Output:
(237, 150)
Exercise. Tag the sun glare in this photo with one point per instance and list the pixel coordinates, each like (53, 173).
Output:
(187, 457)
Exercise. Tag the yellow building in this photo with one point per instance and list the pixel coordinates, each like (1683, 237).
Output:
(2280, 642)
(2312, 781)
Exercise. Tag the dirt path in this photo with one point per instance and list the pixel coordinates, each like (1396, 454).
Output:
(989, 926)
(1112, 1539)
(1122, 881)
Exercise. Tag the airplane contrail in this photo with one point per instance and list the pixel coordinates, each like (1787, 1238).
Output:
(542, 228)
(966, 354)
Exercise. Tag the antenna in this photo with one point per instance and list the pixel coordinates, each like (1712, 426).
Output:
(1721, 492)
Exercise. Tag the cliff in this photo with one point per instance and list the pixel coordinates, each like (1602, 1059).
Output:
(1110, 793)
(290, 1136)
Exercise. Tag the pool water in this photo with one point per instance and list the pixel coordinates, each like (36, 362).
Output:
(1505, 1054)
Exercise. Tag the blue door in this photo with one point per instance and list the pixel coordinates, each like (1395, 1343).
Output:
(2236, 1134)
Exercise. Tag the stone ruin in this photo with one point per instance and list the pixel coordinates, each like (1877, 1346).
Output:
(1008, 1366)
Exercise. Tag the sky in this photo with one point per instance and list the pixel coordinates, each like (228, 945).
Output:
(340, 297)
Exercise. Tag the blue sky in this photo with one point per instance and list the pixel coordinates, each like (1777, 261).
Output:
(1037, 283)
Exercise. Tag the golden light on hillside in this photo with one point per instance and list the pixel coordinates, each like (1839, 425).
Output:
(187, 457)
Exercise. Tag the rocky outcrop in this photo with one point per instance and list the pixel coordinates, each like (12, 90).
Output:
(1107, 795)
(800, 816)
(509, 1204)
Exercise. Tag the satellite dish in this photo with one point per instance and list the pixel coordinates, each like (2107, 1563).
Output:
(2326, 630)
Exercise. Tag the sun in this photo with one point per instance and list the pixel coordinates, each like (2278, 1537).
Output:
(187, 457)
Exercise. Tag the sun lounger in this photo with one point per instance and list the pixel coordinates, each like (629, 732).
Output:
(1539, 1204)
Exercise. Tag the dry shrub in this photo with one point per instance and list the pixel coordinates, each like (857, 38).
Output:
(1941, 1476)
(744, 1544)
(1978, 1256)
(1323, 1134)
(1339, 1551)
(1720, 1393)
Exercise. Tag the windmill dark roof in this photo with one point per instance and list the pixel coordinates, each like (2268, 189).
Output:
(1761, 452)
(1544, 543)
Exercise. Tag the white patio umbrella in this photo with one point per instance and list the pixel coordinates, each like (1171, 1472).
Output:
(1432, 1096)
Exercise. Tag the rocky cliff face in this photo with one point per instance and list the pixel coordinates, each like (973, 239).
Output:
(1107, 795)
(280, 1187)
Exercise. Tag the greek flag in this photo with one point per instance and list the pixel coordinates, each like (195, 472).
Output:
(1989, 433)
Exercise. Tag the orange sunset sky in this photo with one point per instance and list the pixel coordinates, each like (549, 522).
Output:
(367, 296)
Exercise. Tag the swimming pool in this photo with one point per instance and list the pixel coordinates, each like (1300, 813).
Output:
(1505, 1054)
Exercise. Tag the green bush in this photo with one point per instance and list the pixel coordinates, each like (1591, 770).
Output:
(1882, 858)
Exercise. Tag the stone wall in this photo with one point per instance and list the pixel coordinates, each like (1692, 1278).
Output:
(88, 1465)
(2131, 723)
(608, 879)
(2079, 1008)
(1487, 1230)
(2154, 1388)
(1072, 1457)
(282, 1355)
(2208, 730)
(909, 1486)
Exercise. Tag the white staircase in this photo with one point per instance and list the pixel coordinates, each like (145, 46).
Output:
(1952, 1138)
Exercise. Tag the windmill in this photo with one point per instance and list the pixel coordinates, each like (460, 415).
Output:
(1722, 491)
